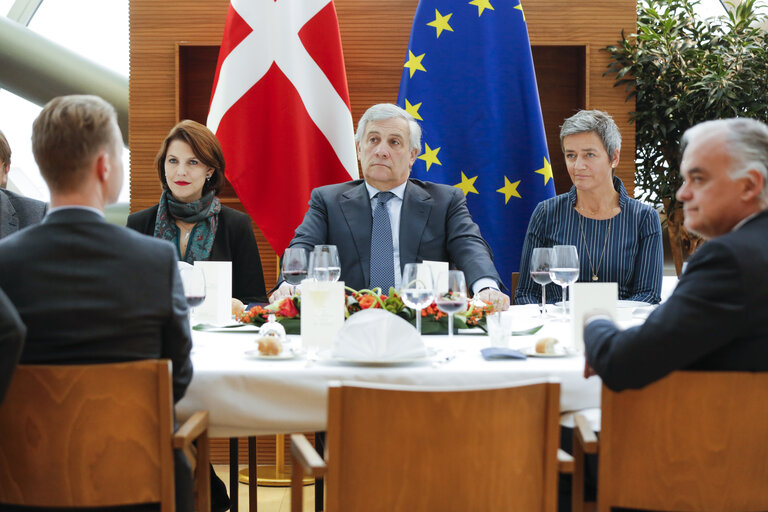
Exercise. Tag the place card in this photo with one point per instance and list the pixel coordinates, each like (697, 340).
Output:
(439, 271)
(322, 313)
(585, 298)
(217, 307)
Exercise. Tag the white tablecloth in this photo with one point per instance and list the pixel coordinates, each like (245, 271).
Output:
(256, 397)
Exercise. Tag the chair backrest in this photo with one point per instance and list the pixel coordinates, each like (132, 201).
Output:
(693, 441)
(88, 436)
(484, 449)
(513, 286)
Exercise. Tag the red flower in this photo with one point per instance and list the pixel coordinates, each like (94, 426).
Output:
(287, 308)
(368, 301)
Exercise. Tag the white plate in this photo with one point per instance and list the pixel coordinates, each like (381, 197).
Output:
(328, 357)
(287, 353)
(560, 351)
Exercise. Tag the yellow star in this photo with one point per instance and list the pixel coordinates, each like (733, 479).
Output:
(413, 110)
(481, 6)
(441, 22)
(414, 63)
(520, 8)
(546, 171)
(467, 185)
(430, 156)
(509, 189)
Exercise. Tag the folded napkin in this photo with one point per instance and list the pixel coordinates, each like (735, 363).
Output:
(490, 353)
(377, 335)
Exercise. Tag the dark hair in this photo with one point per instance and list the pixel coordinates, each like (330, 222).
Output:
(204, 145)
(5, 149)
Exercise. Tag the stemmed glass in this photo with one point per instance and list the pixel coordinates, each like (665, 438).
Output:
(325, 263)
(416, 289)
(542, 259)
(454, 299)
(565, 269)
(193, 280)
(295, 265)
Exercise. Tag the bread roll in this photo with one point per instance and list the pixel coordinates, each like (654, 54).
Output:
(546, 346)
(270, 346)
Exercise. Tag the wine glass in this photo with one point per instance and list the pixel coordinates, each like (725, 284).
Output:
(454, 299)
(541, 261)
(193, 281)
(416, 288)
(295, 265)
(325, 263)
(565, 268)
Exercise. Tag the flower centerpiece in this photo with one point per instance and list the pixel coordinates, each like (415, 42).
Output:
(288, 311)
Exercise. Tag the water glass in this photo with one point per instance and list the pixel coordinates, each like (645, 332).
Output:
(454, 299)
(325, 263)
(499, 328)
(565, 269)
(542, 259)
(416, 289)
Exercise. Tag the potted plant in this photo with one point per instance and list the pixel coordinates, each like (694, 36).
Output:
(682, 70)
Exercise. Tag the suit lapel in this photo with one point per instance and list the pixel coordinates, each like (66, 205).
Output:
(9, 221)
(356, 207)
(417, 205)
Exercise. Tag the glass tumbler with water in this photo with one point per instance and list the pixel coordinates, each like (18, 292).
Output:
(416, 289)
(565, 269)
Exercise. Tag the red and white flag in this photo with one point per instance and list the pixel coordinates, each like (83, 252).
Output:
(280, 109)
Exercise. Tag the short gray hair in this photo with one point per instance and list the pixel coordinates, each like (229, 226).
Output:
(747, 141)
(595, 121)
(384, 111)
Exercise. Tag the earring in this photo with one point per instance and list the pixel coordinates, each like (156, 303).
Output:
(208, 178)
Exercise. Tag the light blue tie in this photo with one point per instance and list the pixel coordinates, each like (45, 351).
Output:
(382, 250)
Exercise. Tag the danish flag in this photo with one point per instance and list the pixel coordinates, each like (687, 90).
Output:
(280, 109)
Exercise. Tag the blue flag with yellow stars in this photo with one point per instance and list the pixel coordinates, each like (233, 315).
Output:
(469, 80)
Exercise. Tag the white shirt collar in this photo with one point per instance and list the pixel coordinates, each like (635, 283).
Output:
(399, 190)
(745, 220)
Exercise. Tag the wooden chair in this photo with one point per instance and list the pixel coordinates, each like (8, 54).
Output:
(513, 287)
(395, 448)
(96, 436)
(693, 441)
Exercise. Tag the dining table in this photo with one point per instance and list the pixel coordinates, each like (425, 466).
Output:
(247, 394)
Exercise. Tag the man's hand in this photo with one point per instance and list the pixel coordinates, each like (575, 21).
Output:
(499, 301)
(588, 371)
(284, 290)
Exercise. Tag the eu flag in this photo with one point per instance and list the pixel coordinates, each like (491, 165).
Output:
(469, 80)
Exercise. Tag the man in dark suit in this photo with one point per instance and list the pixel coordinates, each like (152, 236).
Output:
(89, 291)
(12, 332)
(421, 220)
(716, 318)
(16, 212)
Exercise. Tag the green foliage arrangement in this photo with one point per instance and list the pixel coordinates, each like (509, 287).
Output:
(682, 70)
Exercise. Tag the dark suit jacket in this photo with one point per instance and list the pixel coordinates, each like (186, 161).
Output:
(12, 332)
(715, 319)
(91, 292)
(18, 212)
(435, 224)
(234, 242)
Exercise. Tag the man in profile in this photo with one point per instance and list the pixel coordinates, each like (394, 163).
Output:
(715, 319)
(89, 291)
(16, 212)
(387, 220)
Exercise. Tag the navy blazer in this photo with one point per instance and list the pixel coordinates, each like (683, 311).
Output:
(714, 320)
(435, 224)
(18, 212)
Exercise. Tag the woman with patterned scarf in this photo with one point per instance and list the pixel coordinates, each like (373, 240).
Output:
(190, 165)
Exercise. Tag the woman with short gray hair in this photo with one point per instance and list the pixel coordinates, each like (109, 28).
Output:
(618, 238)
